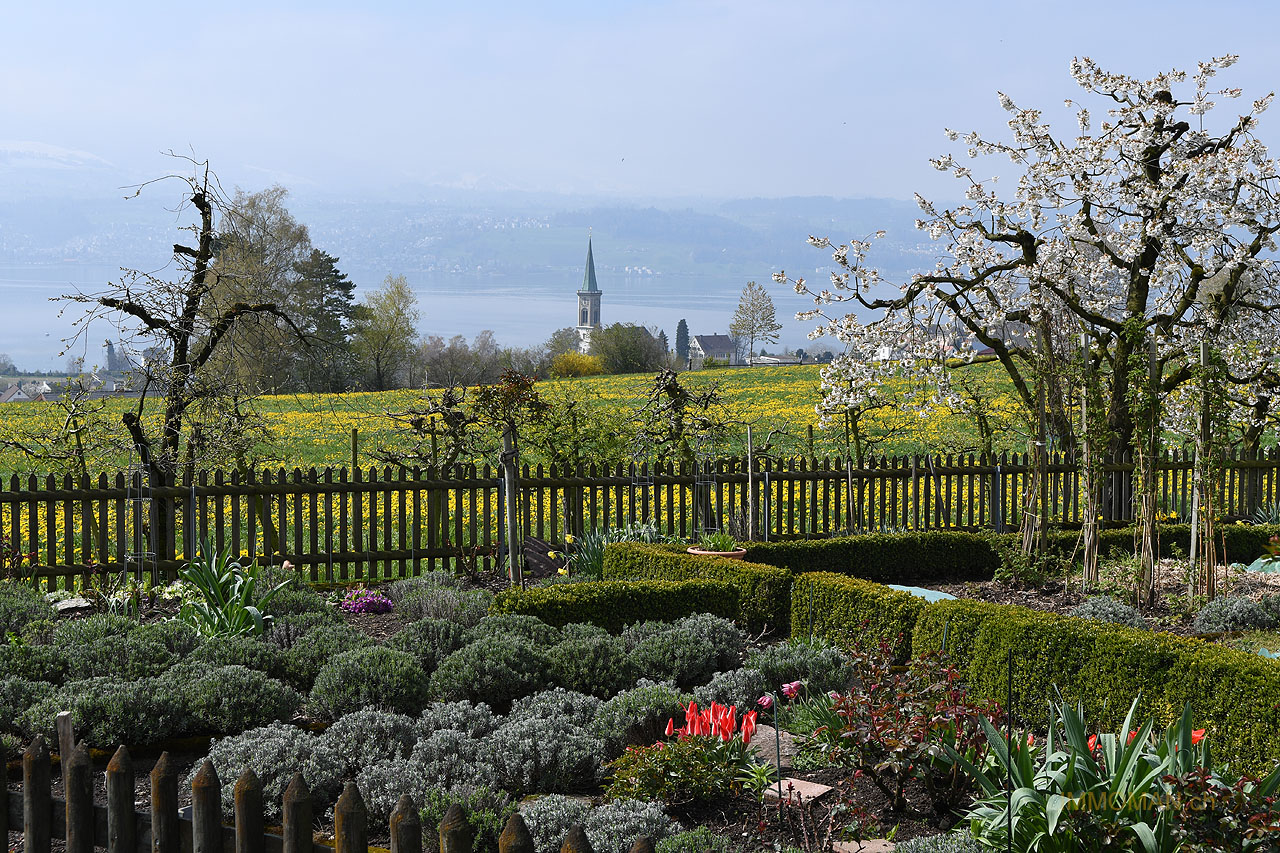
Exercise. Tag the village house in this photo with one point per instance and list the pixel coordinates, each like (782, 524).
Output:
(719, 347)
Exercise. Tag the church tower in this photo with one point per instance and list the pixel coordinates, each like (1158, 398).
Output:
(588, 304)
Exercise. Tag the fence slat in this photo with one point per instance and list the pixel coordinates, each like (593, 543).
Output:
(247, 797)
(78, 795)
(350, 822)
(576, 841)
(515, 837)
(206, 810)
(121, 818)
(455, 831)
(4, 795)
(164, 807)
(296, 816)
(37, 798)
(406, 827)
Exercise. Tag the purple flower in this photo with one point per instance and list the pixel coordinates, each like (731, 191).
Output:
(765, 701)
(366, 601)
(791, 690)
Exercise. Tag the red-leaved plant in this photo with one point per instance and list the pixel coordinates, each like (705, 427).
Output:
(897, 723)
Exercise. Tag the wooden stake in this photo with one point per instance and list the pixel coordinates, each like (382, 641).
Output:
(121, 820)
(297, 817)
(350, 822)
(164, 807)
(250, 825)
(406, 827)
(37, 799)
(206, 810)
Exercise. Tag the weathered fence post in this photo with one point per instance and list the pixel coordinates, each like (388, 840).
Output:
(515, 837)
(37, 799)
(164, 807)
(66, 742)
(248, 806)
(455, 832)
(406, 827)
(510, 462)
(576, 841)
(297, 817)
(206, 810)
(350, 822)
(79, 800)
(4, 795)
(121, 821)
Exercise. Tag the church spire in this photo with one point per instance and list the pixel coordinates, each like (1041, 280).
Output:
(589, 277)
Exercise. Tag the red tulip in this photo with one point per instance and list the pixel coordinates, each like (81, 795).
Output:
(1197, 735)
(1093, 742)
(671, 727)
(1133, 734)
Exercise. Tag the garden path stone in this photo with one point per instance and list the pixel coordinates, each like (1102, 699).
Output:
(798, 787)
(71, 606)
(874, 845)
(765, 746)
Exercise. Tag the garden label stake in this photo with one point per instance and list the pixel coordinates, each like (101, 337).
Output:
(777, 746)
(1009, 761)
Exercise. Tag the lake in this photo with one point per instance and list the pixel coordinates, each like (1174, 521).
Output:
(521, 311)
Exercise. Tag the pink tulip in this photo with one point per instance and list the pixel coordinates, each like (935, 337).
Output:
(791, 690)
(765, 701)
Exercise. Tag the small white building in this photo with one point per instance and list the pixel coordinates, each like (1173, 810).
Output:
(719, 347)
(588, 304)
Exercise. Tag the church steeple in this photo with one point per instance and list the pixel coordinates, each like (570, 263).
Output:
(589, 277)
(588, 302)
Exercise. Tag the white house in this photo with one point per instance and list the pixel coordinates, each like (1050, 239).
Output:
(719, 347)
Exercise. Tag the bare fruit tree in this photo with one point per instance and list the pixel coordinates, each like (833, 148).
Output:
(179, 320)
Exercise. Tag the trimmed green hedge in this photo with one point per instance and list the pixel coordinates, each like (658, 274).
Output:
(1244, 542)
(956, 555)
(1233, 694)
(765, 591)
(615, 604)
(842, 609)
(960, 619)
(888, 557)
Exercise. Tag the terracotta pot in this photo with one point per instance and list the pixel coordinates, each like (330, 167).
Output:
(729, 555)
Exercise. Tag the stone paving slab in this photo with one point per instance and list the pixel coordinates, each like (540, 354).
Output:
(807, 790)
(874, 845)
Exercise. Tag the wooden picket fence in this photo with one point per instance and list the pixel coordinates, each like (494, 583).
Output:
(118, 827)
(350, 525)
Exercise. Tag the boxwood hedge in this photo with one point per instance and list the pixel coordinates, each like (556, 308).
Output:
(613, 604)
(887, 557)
(763, 590)
(843, 609)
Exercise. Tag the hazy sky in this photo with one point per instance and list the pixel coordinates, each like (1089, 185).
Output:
(690, 98)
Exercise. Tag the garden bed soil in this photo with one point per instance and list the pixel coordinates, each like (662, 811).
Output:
(1168, 613)
(811, 824)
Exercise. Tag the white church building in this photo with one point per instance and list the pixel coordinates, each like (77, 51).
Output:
(588, 304)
